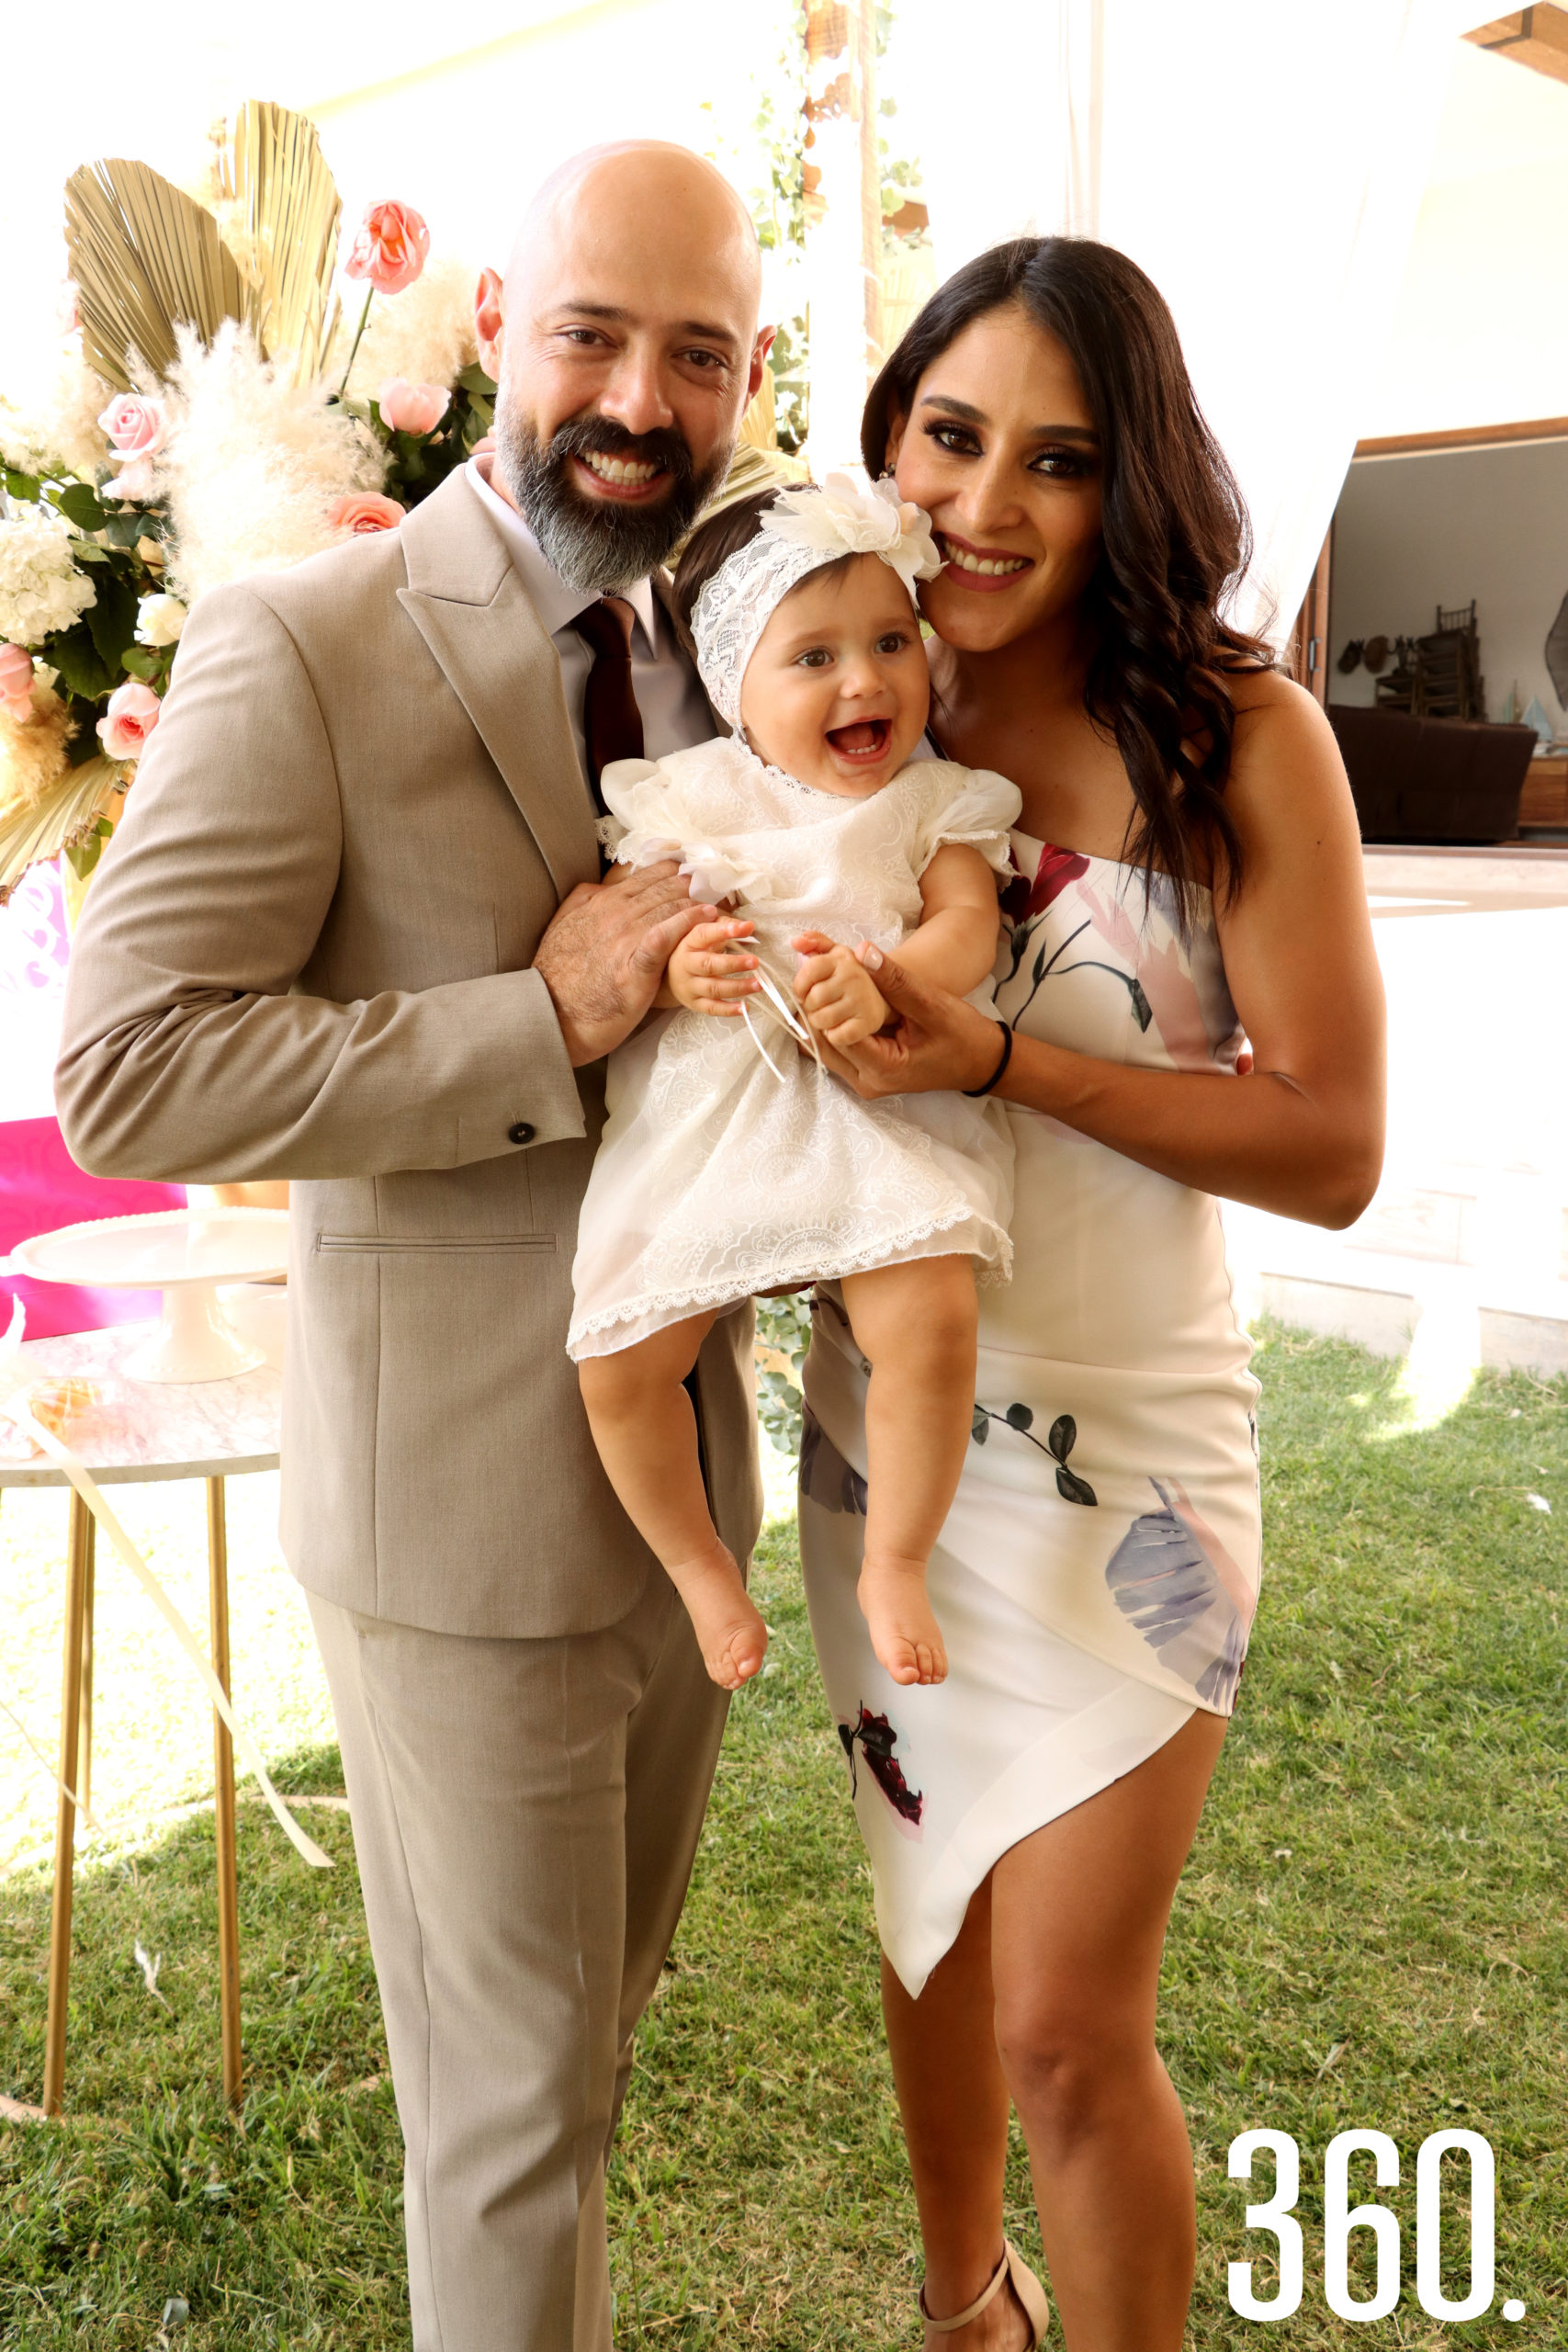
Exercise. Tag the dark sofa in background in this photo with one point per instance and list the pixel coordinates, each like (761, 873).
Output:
(1432, 779)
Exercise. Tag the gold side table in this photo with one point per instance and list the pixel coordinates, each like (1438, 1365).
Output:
(134, 1432)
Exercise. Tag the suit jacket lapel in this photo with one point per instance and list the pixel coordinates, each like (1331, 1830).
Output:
(466, 600)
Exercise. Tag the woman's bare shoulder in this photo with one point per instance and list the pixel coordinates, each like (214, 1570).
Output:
(1276, 720)
(1287, 780)
(1260, 692)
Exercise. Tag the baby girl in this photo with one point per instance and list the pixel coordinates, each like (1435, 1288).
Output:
(732, 1161)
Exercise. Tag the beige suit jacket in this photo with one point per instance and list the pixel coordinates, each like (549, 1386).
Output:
(308, 954)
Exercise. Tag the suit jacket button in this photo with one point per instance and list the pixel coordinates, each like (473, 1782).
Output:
(520, 1133)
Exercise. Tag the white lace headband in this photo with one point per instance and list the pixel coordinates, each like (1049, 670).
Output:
(802, 530)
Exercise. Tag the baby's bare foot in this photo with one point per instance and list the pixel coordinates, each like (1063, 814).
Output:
(904, 1631)
(730, 1634)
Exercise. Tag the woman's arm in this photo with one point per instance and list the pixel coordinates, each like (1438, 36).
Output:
(1303, 1134)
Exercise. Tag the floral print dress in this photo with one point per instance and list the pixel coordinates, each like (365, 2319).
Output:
(1097, 1576)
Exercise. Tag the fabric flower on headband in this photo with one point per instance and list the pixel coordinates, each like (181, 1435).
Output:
(842, 519)
(800, 532)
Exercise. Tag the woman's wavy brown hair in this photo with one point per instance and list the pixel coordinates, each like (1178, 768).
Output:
(1176, 533)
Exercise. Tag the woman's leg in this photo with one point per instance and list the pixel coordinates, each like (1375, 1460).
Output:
(953, 2102)
(647, 1437)
(916, 1326)
(1049, 1994)
(1078, 1915)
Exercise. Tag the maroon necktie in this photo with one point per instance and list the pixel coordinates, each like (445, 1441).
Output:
(611, 723)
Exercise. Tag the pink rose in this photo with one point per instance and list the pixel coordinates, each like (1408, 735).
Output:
(16, 680)
(138, 427)
(365, 509)
(133, 712)
(390, 247)
(411, 408)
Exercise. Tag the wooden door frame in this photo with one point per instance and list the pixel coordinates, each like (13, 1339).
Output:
(1306, 657)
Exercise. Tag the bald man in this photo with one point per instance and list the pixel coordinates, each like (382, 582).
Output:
(351, 933)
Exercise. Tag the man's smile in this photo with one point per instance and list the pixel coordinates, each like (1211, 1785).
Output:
(623, 478)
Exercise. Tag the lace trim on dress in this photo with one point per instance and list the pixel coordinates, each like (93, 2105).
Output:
(886, 1251)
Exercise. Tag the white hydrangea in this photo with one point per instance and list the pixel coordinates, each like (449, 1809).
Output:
(41, 588)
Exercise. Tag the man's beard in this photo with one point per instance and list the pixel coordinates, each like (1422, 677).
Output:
(602, 546)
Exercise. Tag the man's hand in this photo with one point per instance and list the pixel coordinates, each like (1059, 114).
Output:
(707, 974)
(837, 994)
(604, 955)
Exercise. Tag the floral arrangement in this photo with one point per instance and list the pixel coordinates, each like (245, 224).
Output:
(194, 416)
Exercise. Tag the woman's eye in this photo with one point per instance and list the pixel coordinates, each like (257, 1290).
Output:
(1064, 465)
(955, 437)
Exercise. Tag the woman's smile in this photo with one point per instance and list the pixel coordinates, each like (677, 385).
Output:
(982, 569)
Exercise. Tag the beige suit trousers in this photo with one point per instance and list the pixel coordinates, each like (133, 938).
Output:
(525, 1814)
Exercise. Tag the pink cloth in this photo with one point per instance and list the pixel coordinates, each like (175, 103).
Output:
(42, 1188)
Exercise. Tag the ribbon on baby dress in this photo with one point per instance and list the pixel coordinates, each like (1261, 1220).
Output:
(16, 1379)
(787, 1018)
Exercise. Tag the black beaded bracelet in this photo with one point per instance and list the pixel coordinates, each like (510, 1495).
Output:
(996, 1077)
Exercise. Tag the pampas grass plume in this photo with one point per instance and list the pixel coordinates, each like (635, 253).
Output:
(50, 423)
(424, 334)
(33, 749)
(253, 464)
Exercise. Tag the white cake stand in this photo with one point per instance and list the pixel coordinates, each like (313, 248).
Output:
(185, 1253)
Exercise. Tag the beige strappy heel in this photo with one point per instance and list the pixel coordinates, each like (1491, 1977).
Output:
(1012, 2269)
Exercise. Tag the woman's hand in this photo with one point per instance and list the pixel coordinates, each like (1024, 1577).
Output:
(837, 993)
(708, 973)
(937, 1041)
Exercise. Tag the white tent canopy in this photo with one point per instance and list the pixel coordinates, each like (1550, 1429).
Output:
(1263, 162)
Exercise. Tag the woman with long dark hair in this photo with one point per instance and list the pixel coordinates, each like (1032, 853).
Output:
(1189, 906)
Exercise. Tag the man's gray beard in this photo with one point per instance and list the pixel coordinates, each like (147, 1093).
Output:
(604, 548)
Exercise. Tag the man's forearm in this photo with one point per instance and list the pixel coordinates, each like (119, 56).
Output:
(219, 1087)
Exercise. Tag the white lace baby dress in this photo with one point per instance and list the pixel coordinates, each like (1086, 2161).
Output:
(724, 1171)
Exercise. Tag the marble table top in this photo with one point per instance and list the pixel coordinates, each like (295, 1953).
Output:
(142, 1430)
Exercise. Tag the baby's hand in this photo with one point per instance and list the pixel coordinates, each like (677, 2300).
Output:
(838, 995)
(707, 974)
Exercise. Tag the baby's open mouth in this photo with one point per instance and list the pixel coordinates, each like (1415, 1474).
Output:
(866, 739)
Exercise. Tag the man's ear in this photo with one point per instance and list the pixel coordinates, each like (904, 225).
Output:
(760, 350)
(490, 323)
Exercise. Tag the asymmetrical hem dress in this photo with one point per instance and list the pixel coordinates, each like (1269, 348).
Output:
(1098, 1574)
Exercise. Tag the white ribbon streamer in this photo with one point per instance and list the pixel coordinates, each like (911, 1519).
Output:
(16, 1378)
(787, 1018)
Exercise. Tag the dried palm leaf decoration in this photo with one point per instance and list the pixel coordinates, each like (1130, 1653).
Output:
(62, 817)
(751, 469)
(276, 175)
(144, 258)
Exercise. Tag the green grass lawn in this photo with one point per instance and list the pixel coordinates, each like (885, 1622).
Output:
(1371, 1934)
